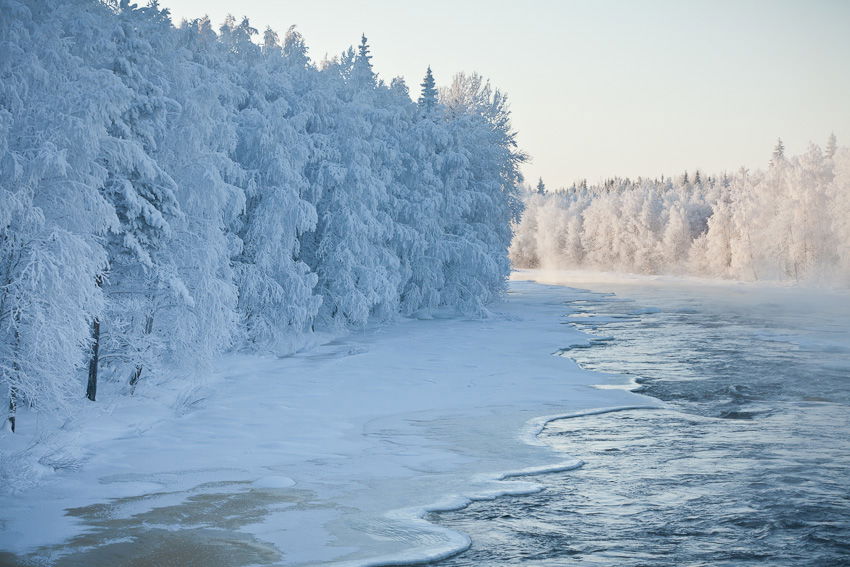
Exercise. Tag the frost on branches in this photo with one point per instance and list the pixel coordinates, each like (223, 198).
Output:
(789, 222)
(170, 192)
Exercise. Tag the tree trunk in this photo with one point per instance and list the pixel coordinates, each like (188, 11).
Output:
(13, 406)
(134, 377)
(16, 369)
(91, 387)
(137, 373)
(94, 361)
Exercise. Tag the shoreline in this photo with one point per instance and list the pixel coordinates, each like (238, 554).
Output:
(529, 434)
(347, 438)
(737, 448)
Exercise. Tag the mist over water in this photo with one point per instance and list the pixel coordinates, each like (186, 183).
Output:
(746, 465)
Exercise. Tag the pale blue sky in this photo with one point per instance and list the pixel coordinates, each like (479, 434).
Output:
(608, 87)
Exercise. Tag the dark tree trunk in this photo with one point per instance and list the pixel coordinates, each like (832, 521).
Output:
(134, 377)
(13, 391)
(137, 373)
(91, 387)
(13, 406)
(16, 369)
(94, 361)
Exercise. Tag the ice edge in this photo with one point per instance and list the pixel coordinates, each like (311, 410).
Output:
(458, 542)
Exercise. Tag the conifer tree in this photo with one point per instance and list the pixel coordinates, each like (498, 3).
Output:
(362, 75)
(778, 152)
(831, 146)
(428, 98)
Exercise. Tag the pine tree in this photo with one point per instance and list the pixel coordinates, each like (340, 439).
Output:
(541, 188)
(362, 75)
(831, 146)
(428, 98)
(778, 152)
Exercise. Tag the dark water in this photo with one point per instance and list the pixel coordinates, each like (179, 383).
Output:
(748, 463)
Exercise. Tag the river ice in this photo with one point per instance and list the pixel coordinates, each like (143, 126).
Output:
(332, 456)
(337, 456)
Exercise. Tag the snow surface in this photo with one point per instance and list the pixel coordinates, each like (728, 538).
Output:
(349, 445)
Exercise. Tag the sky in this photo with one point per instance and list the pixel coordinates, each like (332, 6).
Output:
(607, 88)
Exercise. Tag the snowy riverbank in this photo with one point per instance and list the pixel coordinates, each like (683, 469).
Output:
(324, 457)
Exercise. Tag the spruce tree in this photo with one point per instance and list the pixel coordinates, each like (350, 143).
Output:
(831, 146)
(778, 152)
(362, 74)
(428, 99)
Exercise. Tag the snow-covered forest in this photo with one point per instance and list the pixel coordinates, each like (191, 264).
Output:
(172, 191)
(788, 222)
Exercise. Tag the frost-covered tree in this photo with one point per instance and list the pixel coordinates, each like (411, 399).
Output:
(197, 151)
(778, 152)
(362, 75)
(541, 187)
(787, 223)
(52, 213)
(428, 97)
(275, 288)
(169, 193)
(295, 49)
(142, 276)
(357, 271)
(831, 146)
(482, 198)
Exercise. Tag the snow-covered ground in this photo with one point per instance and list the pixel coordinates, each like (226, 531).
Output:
(331, 456)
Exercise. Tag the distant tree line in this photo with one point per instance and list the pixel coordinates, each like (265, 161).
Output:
(789, 222)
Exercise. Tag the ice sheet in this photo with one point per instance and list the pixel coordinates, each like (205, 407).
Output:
(333, 456)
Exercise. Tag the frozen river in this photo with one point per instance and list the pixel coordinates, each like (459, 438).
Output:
(746, 465)
(335, 456)
(330, 456)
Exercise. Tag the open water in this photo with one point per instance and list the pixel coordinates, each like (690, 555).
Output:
(747, 463)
